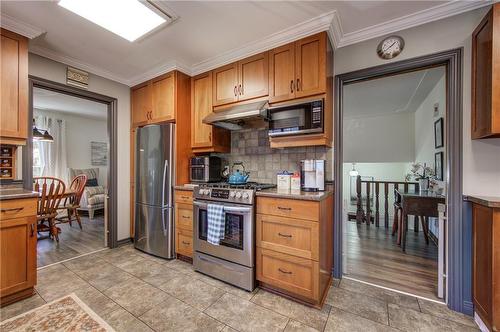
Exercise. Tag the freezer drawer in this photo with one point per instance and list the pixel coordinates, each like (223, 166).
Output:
(154, 230)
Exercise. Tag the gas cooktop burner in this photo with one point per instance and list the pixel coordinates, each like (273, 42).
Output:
(249, 185)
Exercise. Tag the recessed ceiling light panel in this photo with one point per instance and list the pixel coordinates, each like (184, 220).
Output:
(129, 19)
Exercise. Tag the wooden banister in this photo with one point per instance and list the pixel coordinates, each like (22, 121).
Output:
(364, 214)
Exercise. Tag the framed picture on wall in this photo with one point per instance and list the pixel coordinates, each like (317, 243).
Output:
(438, 133)
(438, 165)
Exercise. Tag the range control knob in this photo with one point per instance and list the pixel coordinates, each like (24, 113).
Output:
(246, 196)
(206, 192)
(232, 194)
(238, 195)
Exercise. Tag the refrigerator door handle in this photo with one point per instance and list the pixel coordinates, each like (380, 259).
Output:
(163, 224)
(165, 166)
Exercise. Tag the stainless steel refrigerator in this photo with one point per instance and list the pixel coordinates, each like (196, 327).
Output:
(154, 173)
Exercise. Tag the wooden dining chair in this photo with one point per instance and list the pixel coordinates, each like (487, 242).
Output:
(51, 191)
(72, 203)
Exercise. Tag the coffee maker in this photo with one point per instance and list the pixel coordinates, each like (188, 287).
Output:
(312, 173)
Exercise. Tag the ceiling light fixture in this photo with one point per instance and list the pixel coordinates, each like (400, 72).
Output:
(129, 19)
(353, 172)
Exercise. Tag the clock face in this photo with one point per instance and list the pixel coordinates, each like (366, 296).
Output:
(390, 47)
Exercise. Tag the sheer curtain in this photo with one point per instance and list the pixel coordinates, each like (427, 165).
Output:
(53, 155)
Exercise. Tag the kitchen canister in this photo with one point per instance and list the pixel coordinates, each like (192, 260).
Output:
(295, 182)
(284, 181)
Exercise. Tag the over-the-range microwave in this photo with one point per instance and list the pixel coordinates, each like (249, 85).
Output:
(296, 119)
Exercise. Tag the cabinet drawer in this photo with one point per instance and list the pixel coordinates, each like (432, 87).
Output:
(289, 273)
(18, 208)
(184, 196)
(184, 216)
(290, 236)
(291, 208)
(184, 242)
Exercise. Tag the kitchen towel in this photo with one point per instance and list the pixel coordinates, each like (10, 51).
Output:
(216, 220)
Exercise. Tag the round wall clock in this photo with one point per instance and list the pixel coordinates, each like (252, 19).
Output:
(390, 47)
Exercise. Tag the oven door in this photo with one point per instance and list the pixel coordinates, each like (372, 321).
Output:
(237, 245)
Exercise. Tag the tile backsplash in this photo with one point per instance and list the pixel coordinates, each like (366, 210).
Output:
(252, 148)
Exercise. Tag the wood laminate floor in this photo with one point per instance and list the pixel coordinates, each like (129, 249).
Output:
(373, 256)
(73, 241)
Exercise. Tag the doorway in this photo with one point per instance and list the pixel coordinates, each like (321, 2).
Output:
(79, 129)
(456, 274)
(394, 152)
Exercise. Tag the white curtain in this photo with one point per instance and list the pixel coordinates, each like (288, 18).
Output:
(53, 155)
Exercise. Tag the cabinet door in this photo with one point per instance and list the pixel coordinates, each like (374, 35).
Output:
(253, 77)
(141, 105)
(201, 106)
(17, 255)
(14, 86)
(310, 65)
(482, 233)
(225, 84)
(163, 98)
(282, 73)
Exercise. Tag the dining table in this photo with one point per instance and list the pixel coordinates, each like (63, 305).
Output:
(420, 203)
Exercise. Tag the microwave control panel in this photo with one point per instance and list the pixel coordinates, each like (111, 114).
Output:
(317, 114)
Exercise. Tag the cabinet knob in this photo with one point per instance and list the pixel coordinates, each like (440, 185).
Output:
(240, 89)
(285, 272)
(291, 86)
(210, 137)
(32, 230)
(235, 90)
(298, 84)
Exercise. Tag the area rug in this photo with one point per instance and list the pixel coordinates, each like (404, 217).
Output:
(68, 313)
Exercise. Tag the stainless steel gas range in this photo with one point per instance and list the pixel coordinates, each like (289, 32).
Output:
(233, 260)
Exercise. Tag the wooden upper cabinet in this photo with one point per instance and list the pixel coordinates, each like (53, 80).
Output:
(485, 122)
(141, 98)
(163, 98)
(253, 76)
(205, 138)
(242, 80)
(201, 106)
(298, 69)
(225, 84)
(282, 73)
(14, 87)
(310, 65)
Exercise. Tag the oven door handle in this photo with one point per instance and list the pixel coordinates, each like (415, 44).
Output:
(226, 208)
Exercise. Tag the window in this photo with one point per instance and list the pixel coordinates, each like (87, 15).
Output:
(37, 160)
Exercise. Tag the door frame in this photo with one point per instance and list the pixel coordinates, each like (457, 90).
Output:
(457, 273)
(112, 103)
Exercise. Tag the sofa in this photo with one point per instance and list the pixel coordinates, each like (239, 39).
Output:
(94, 194)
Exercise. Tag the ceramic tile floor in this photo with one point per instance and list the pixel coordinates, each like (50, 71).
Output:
(133, 291)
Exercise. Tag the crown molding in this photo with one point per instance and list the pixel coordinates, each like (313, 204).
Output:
(329, 22)
(22, 28)
(67, 60)
(409, 21)
(303, 29)
(160, 70)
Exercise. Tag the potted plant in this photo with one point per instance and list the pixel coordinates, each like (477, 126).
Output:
(421, 173)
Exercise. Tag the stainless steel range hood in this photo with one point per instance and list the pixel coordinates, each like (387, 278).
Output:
(253, 115)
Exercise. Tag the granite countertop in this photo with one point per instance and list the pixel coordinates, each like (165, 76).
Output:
(489, 201)
(300, 195)
(16, 193)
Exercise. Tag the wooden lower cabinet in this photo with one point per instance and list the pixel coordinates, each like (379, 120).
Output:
(486, 264)
(296, 275)
(183, 212)
(294, 241)
(18, 240)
